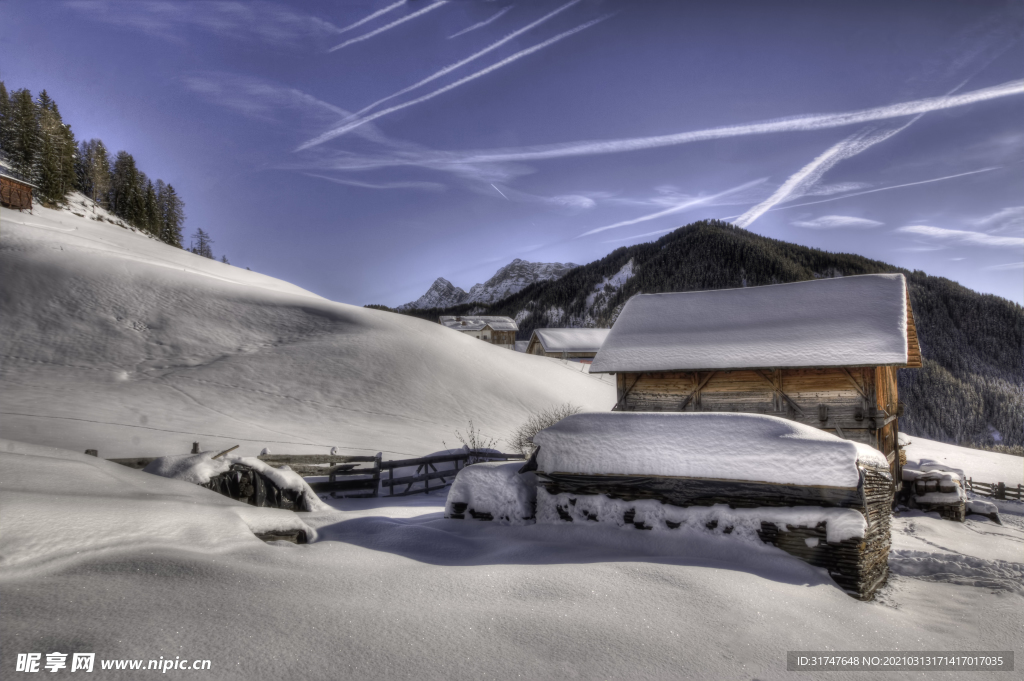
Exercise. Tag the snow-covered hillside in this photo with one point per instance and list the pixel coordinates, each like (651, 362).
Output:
(510, 279)
(117, 342)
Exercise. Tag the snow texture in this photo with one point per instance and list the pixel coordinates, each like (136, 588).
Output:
(841, 523)
(61, 507)
(851, 321)
(496, 488)
(136, 348)
(721, 446)
(571, 340)
(977, 464)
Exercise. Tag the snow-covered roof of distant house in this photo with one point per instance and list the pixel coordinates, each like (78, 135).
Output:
(710, 445)
(848, 321)
(570, 340)
(18, 180)
(521, 346)
(464, 323)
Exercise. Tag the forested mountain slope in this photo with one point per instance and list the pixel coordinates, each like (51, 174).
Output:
(970, 390)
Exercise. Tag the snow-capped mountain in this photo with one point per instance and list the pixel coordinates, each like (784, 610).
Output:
(511, 278)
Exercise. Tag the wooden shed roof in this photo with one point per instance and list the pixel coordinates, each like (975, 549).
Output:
(18, 180)
(569, 340)
(848, 321)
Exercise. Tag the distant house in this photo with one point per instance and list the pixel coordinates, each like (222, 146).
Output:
(15, 193)
(521, 346)
(579, 345)
(495, 330)
(822, 352)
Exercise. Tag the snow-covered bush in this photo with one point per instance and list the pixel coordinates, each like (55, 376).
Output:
(494, 490)
(521, 440)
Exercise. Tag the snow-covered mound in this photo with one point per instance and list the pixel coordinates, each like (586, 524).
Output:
(61, 507)
(495, 488)
(724, 446)
(199, 468)
(117, 342)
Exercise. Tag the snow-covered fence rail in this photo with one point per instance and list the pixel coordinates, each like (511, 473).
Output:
(996, 490)
(344, 475)
(426, 470)
(347, 478)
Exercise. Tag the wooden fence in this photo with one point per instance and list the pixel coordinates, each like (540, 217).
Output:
(996, 490)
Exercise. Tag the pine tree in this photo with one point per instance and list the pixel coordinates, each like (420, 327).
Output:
(57, 151)
(6, 122)
(224, 259)
(127, 199)
(172, 211)
(151, 219)
(201, 244)
(93, 169)
(22, 146)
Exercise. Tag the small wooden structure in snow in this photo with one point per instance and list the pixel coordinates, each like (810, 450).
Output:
(820, 498)
(15, 192)
(495, 330)
(823, 353)
(579, 345)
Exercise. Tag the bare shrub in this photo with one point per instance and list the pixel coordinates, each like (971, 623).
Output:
(521, 440)
(474, 440)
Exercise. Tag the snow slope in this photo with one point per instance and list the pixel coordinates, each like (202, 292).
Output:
(117, 342)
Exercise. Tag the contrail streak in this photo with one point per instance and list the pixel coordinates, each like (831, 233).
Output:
(386, 27)
(500, 192)
(482, 23)
(883, 189)
(372, 16)
(448, 69)
(341, 130)
(795, 124)
(674, 209)
(810, 174)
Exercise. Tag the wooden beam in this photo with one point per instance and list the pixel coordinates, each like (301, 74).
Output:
(784, 395)
(696, 390)
(622, 400)
(856, 385)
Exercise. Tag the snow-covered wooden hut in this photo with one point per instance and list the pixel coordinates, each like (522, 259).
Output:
(578, 345)
(15, 192)
(823, 353)
(823, 499)
(495, 330)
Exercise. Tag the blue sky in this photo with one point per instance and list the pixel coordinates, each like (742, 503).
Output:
(362, 149)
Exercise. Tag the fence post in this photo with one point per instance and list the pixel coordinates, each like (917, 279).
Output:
(391, 480)
(376, 473)
(1000, 491)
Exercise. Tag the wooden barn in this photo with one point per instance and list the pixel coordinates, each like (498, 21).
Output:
(579, 345)
(15, 193)
(823, 353)
(495, 330)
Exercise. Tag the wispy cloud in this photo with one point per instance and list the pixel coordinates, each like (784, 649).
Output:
(451, 67)
(430, 186)
(371, 17)
(263, 21)
(341, 130)
(483, 23)
(639, 236)
(677, 208)
(1006, 220)
(962, 236)
(838, 222)
(1007, 266)
(388, 27)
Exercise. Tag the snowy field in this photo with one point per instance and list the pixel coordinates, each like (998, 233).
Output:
(105, 326)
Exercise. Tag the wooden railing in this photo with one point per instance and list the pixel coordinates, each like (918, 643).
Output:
(996, 490)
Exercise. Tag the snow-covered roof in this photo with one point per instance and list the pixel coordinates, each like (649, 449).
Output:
(712, 445)
(849, 321)
(462, 323)
(18, 180)
(570, 340)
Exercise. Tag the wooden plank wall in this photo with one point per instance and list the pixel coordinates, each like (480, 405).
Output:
(15, 195)
(844, 397)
